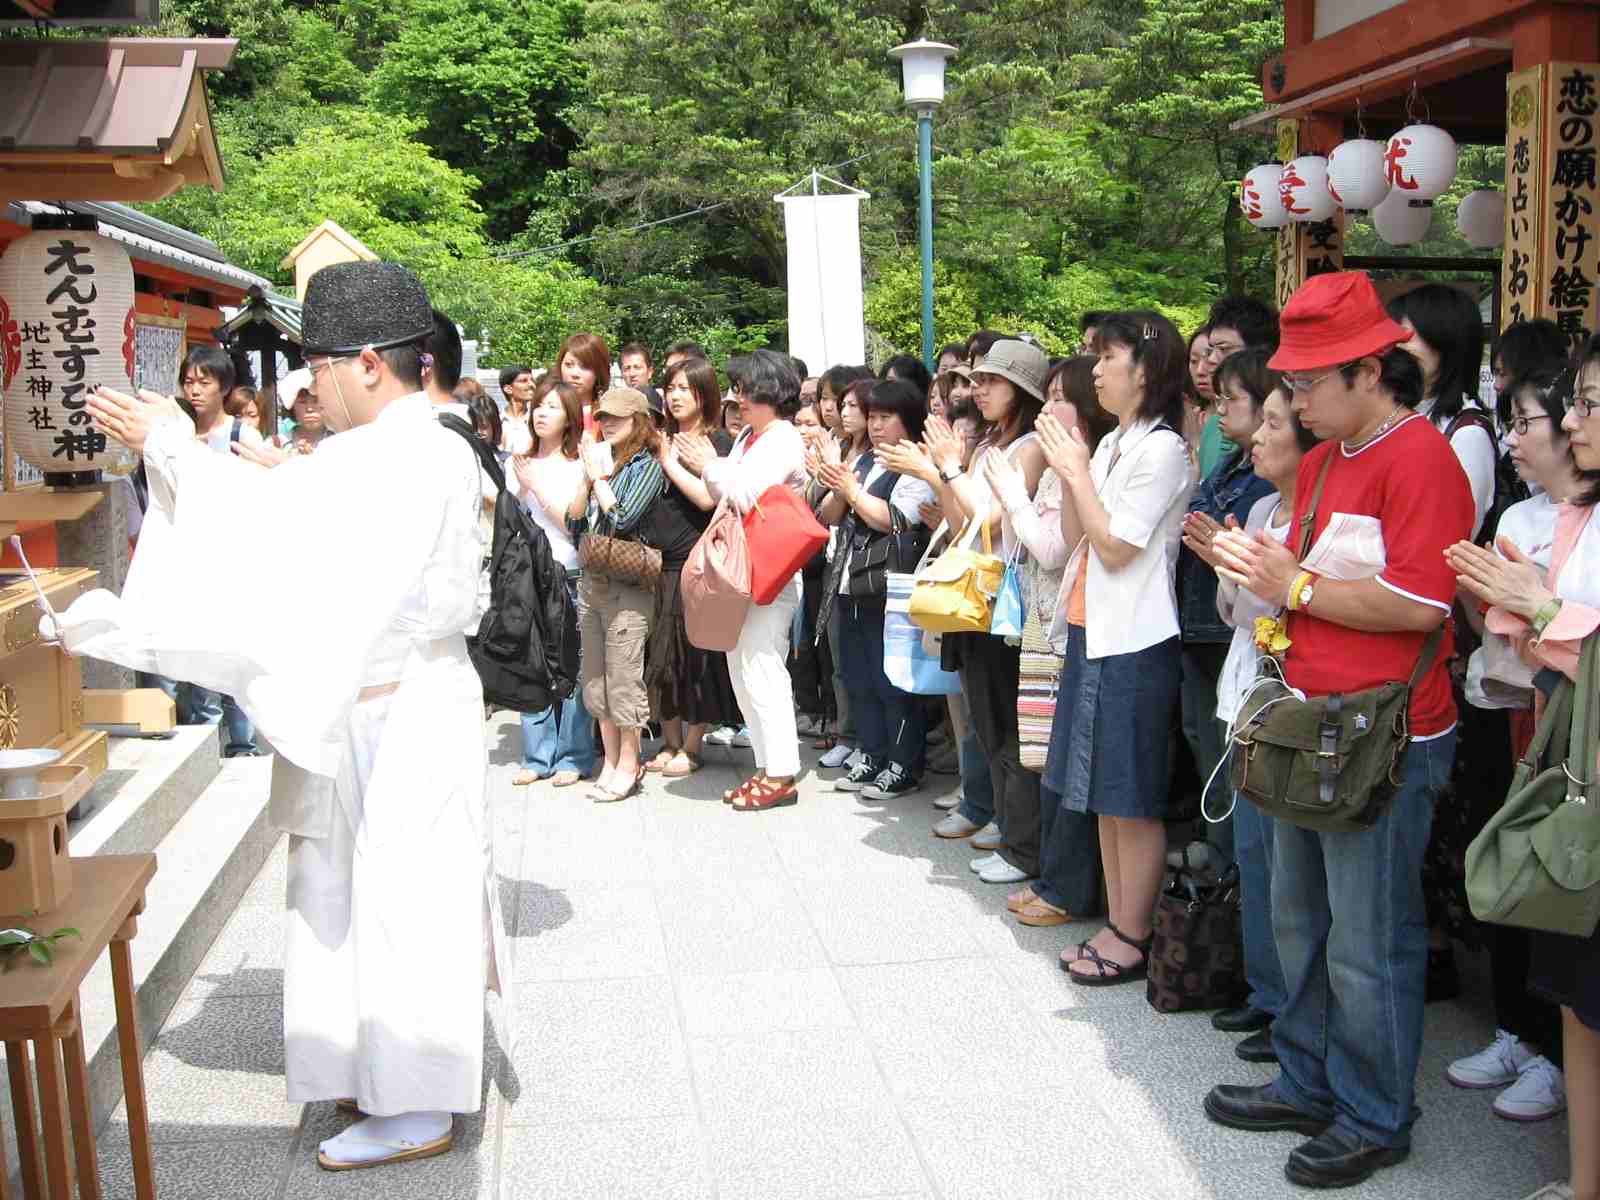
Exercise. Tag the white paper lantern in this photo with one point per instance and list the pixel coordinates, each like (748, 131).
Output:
(66, 328)
(1357, 177)
(1400, 221)
(1481, 218)
(1259, 198)
(1421, 161)
(1303, 188)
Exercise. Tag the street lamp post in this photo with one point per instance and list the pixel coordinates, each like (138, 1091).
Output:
(922, 66)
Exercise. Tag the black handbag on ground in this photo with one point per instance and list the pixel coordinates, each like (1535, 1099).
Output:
(1197, 948)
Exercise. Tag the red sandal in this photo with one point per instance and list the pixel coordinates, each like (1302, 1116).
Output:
(765, 794)
(732, 795)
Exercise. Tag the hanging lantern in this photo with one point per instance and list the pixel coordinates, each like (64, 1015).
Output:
(1481, 218)
(66, 328)
(1421, 161)
(1401, 221)
(1357, 177)
(1303, 188)
(1259, 198)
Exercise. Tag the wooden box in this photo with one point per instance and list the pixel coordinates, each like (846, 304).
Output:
(41, 688)
(35, 862)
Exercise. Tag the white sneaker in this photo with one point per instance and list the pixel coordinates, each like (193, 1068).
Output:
(721, 737)
(1539, 1092)
(1000, 871)
(988, 838)
(741, 739)
(1552, 1191)
(947, 801)
(977, 865)
(833, 759)
(855, 758)
(1496, 1065)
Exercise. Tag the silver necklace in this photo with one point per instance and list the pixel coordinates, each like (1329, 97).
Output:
(1387, 425)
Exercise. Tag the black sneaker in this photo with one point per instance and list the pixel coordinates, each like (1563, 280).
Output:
(863, 773)
(893, 781)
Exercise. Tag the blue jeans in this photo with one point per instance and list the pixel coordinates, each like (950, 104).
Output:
(199, 706)
(1069, 856)
(977, 784)
(1252, 848)
(889, 722)
(561, 738)
(1352, 934)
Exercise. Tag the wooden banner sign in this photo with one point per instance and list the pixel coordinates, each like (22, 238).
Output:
(1571, 248)
(1520, 257)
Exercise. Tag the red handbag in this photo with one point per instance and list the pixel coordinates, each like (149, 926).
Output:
(782, 536)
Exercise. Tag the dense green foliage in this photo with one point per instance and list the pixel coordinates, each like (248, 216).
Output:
(549, 165)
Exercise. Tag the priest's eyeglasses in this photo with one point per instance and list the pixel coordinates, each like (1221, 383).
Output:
(314, 367)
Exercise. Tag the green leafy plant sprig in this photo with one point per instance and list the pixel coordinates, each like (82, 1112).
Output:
(39, 946)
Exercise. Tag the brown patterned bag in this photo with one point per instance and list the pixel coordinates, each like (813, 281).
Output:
(1197, 952)
(619, 559)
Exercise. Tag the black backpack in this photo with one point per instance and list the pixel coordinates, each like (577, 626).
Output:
(526, 648)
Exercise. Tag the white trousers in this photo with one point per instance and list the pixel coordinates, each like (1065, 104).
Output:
(386, 965)
(759, 667)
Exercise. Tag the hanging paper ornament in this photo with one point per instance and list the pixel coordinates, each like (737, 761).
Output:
(1481, 218)
(1357, 177)
(1421, 161)
(1304, 189)
(1401, 221)
(66, 305)
(1259, 198)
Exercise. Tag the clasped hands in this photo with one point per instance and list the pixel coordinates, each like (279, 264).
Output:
(1258, 563)
(1508, 580)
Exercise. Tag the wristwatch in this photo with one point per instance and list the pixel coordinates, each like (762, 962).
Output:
(1307, 590)
(950, 476)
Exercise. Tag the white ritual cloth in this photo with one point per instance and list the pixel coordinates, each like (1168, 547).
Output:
(394, 925)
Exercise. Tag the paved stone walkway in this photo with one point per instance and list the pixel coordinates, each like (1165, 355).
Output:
(820, 1002)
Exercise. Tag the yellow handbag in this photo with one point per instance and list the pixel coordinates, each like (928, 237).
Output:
(955, 592)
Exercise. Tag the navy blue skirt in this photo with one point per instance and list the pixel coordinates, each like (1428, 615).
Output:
(1111, 741)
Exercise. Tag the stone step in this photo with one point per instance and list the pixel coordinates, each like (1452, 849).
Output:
(147, 786)
(209, 848)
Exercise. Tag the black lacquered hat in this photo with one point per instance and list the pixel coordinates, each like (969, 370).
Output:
(350, 306)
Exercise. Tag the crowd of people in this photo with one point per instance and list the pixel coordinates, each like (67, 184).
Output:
(1319, 495)
(1150, 494)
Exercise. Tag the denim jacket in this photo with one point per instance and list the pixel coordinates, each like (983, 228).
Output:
(1231, 489)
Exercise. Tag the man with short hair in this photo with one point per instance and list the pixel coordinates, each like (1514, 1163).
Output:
(372, 705)
(1365, 606)
(636, 371)
(683, 350)
(516, 381)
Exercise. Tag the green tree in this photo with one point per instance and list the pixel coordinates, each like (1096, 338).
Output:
(489, 84)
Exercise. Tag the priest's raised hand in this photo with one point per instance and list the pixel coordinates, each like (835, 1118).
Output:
(129, 419)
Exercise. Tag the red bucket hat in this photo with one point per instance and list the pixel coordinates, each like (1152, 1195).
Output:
(1332, 319)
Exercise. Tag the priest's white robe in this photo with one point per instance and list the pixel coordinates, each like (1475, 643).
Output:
(349, 655)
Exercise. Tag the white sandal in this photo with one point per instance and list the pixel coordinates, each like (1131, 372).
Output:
(403, 1151)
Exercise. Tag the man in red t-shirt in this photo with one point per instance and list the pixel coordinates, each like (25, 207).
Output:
(1347, 908)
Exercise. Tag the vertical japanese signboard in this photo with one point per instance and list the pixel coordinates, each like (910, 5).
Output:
(1520, 257)
(1571, 251)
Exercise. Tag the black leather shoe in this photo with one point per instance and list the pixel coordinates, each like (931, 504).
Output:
(1257, 1047)
(1240, 1020)
(1339, 1158)
(1259, 1110)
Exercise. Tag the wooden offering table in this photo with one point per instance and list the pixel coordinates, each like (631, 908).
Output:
(39, 1004)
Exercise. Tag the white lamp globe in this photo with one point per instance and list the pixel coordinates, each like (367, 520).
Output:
(1303, 187)
(1259, 199)
(1357, 177)
(1481, 218)
(1400, 221)
(1421, 162)
(922, 71)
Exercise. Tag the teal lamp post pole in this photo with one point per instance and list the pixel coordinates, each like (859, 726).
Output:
(922, 66)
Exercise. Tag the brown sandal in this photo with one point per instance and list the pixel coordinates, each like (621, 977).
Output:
(732, 794)
(767, 794)
(661, 760)
(673, 771)
(1041, 914)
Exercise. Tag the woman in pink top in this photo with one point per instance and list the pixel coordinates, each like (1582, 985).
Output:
(1549, 615)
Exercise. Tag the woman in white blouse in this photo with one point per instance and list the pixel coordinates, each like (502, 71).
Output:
(1123, 509)
(557, 744)
(769, 452)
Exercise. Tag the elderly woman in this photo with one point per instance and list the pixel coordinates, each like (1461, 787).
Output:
(769, 452)
(613, 499)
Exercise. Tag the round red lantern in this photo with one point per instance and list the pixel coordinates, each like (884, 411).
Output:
(1421, 162)
(66, 328)
(1259, 198)
(1304, 189)
(1357, 177)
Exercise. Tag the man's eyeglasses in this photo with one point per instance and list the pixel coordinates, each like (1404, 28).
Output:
(1299, 383)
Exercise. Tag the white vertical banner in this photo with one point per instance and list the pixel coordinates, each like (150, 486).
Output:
(823, 237)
